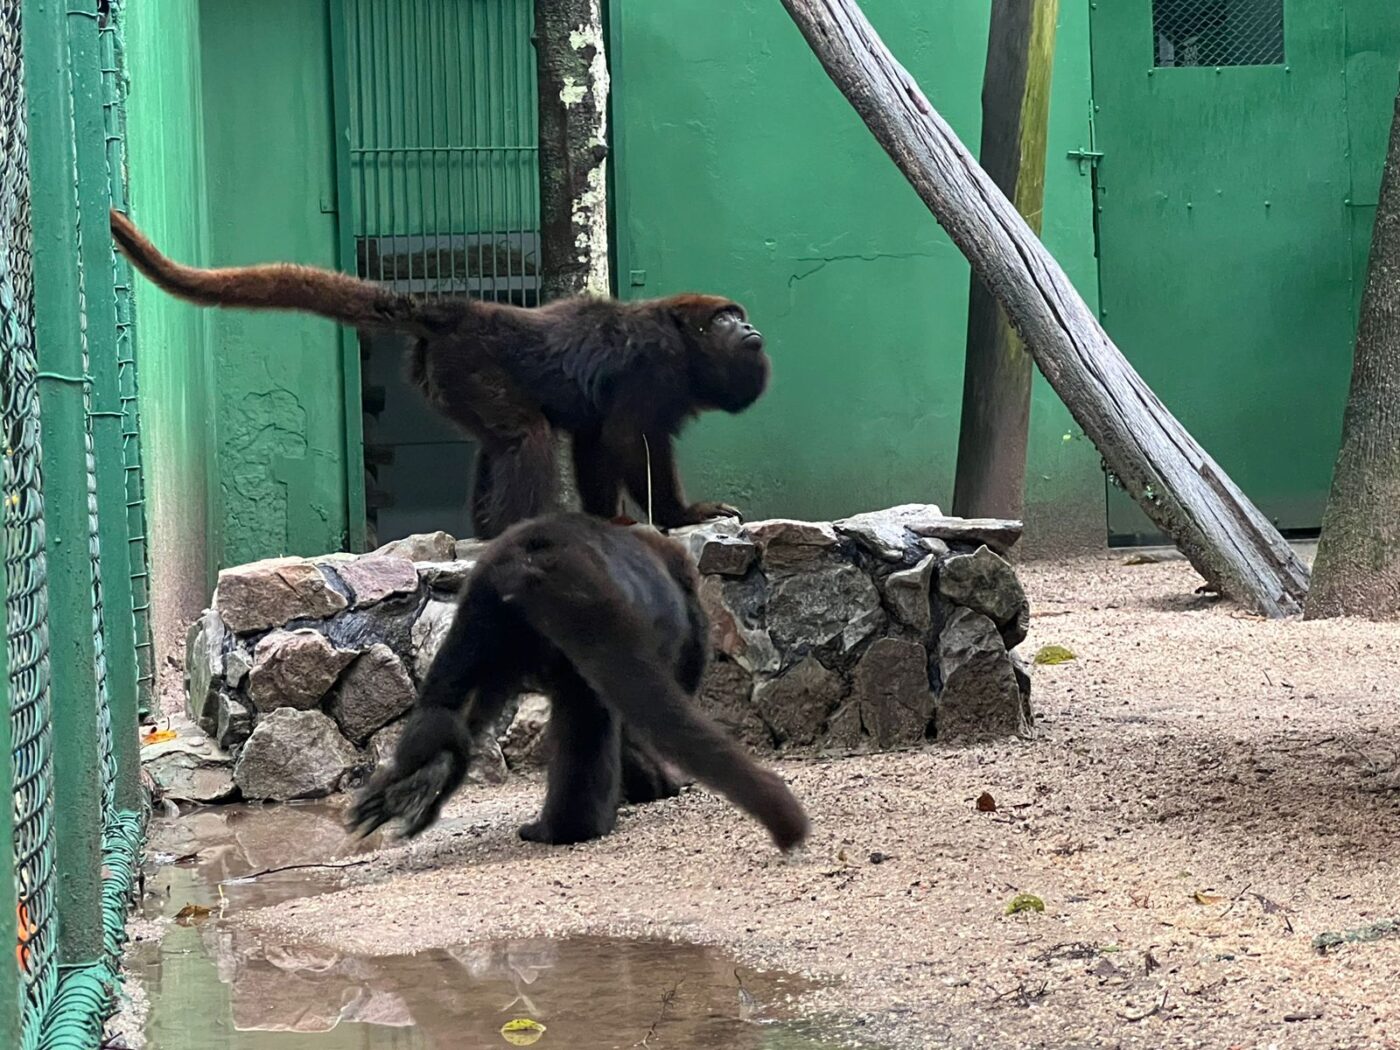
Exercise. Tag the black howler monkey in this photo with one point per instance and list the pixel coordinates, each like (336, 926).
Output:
(606, 620)
(621, 378)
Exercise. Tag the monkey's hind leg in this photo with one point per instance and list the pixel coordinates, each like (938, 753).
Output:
(645, 777)
(521, 481)
(584, 773)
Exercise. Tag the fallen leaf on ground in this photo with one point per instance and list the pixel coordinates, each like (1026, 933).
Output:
(1206, 898)
(1049, 655)
(522, 1031)
(985, 803)
(192, 913)
(1142, 559)
(158, 736)
(1024, 902)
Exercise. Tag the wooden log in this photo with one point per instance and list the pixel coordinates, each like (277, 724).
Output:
(1144, 448)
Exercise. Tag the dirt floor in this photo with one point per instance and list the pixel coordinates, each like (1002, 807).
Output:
(1209, 791)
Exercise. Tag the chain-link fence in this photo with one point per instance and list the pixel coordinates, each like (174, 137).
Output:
(1218, 32)
(71, 483)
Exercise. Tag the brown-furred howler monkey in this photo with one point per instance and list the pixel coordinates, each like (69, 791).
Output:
(606, 620)
(621, 378)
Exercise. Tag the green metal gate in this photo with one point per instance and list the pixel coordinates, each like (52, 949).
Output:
(1228, 239)
(440, 167)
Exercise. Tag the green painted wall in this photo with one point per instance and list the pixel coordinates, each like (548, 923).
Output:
(271, 188)
(740, 169)
(166, 166)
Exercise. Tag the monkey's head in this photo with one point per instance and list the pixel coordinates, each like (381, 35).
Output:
(725, 361)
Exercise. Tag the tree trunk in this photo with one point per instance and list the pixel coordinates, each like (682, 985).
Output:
(1144, 447)
(572, 77)
(996, 406)
(573, 135)
(1357, 572)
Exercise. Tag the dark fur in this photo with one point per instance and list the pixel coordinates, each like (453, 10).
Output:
(621, 378)
(607, 621)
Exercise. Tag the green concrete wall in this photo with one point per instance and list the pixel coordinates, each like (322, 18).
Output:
(739, 169)
(166, 164)
(271, 185)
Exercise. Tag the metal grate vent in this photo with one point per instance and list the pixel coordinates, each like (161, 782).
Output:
(1217, 32)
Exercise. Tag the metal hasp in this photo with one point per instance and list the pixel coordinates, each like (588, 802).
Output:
(1088, 159)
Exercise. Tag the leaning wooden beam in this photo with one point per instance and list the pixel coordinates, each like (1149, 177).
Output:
(1143, 446)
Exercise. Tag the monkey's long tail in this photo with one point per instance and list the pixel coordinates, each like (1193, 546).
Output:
(270, 286)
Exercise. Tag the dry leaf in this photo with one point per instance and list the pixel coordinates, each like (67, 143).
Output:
(1024, 902)
(1142, 559)
(1049, 655)
(1206, 898)
(158, 736)
(522, 1032)
(985, 803)
(192, 913)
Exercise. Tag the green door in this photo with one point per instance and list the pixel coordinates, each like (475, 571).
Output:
(1226, 252)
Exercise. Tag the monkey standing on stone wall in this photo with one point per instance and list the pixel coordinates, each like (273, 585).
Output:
(621, 378)
(606, 619)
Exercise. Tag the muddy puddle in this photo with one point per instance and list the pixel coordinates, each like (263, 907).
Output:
(215, 985)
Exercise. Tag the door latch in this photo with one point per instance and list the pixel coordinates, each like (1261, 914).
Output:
(1088, 159)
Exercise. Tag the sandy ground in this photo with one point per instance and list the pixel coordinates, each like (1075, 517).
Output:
(1207, 793)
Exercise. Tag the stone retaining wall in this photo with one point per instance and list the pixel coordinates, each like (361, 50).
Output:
(875, 632)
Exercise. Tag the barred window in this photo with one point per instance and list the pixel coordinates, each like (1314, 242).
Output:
(1217, 32)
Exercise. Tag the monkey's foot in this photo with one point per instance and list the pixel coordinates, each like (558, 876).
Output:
(566, 832)
(414, 798)
(708, 511)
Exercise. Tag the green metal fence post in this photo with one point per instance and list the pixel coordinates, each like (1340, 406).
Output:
(58, 323)
(114, 572)
(138, 546)
(351, 389)
(10, 984)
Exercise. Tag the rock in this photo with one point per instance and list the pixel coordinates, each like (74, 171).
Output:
(204, 668)
(373, 578)
(998, 533)
(1015, 631)
(862, 627)
(726, 696)
(934, 545)
(294, 669)
(717, 548)
(1023, 678)
(270, 593)
(909, 595)
(807, 610)
(796, 705)
(427, 634)
(448, 576)
(886, 533)
(891, 685)
(984, 582)
(234, 724)
(980, 697)
(237, 663)
(294, 754)
(381, 745)
(202, 775)
(522, 743)
(735, 611)
(843, 732)
(423, 546)
(372, 693)
(488, 764)
(786, 545)
(468, 550)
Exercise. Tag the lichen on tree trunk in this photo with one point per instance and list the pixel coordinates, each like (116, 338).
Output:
(572, 78)
(1357, 572)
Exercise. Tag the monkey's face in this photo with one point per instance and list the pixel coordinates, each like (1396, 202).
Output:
(729, 369)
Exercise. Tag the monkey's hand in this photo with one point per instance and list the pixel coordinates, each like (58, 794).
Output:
(706, 511)
(429, 765)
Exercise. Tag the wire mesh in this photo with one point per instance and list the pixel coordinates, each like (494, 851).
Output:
(1218, 32)
(444, 146)
(25, 569)
(114, 106)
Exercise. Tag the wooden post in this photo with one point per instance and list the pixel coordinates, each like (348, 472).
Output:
(996, 405)
(1145, 449)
